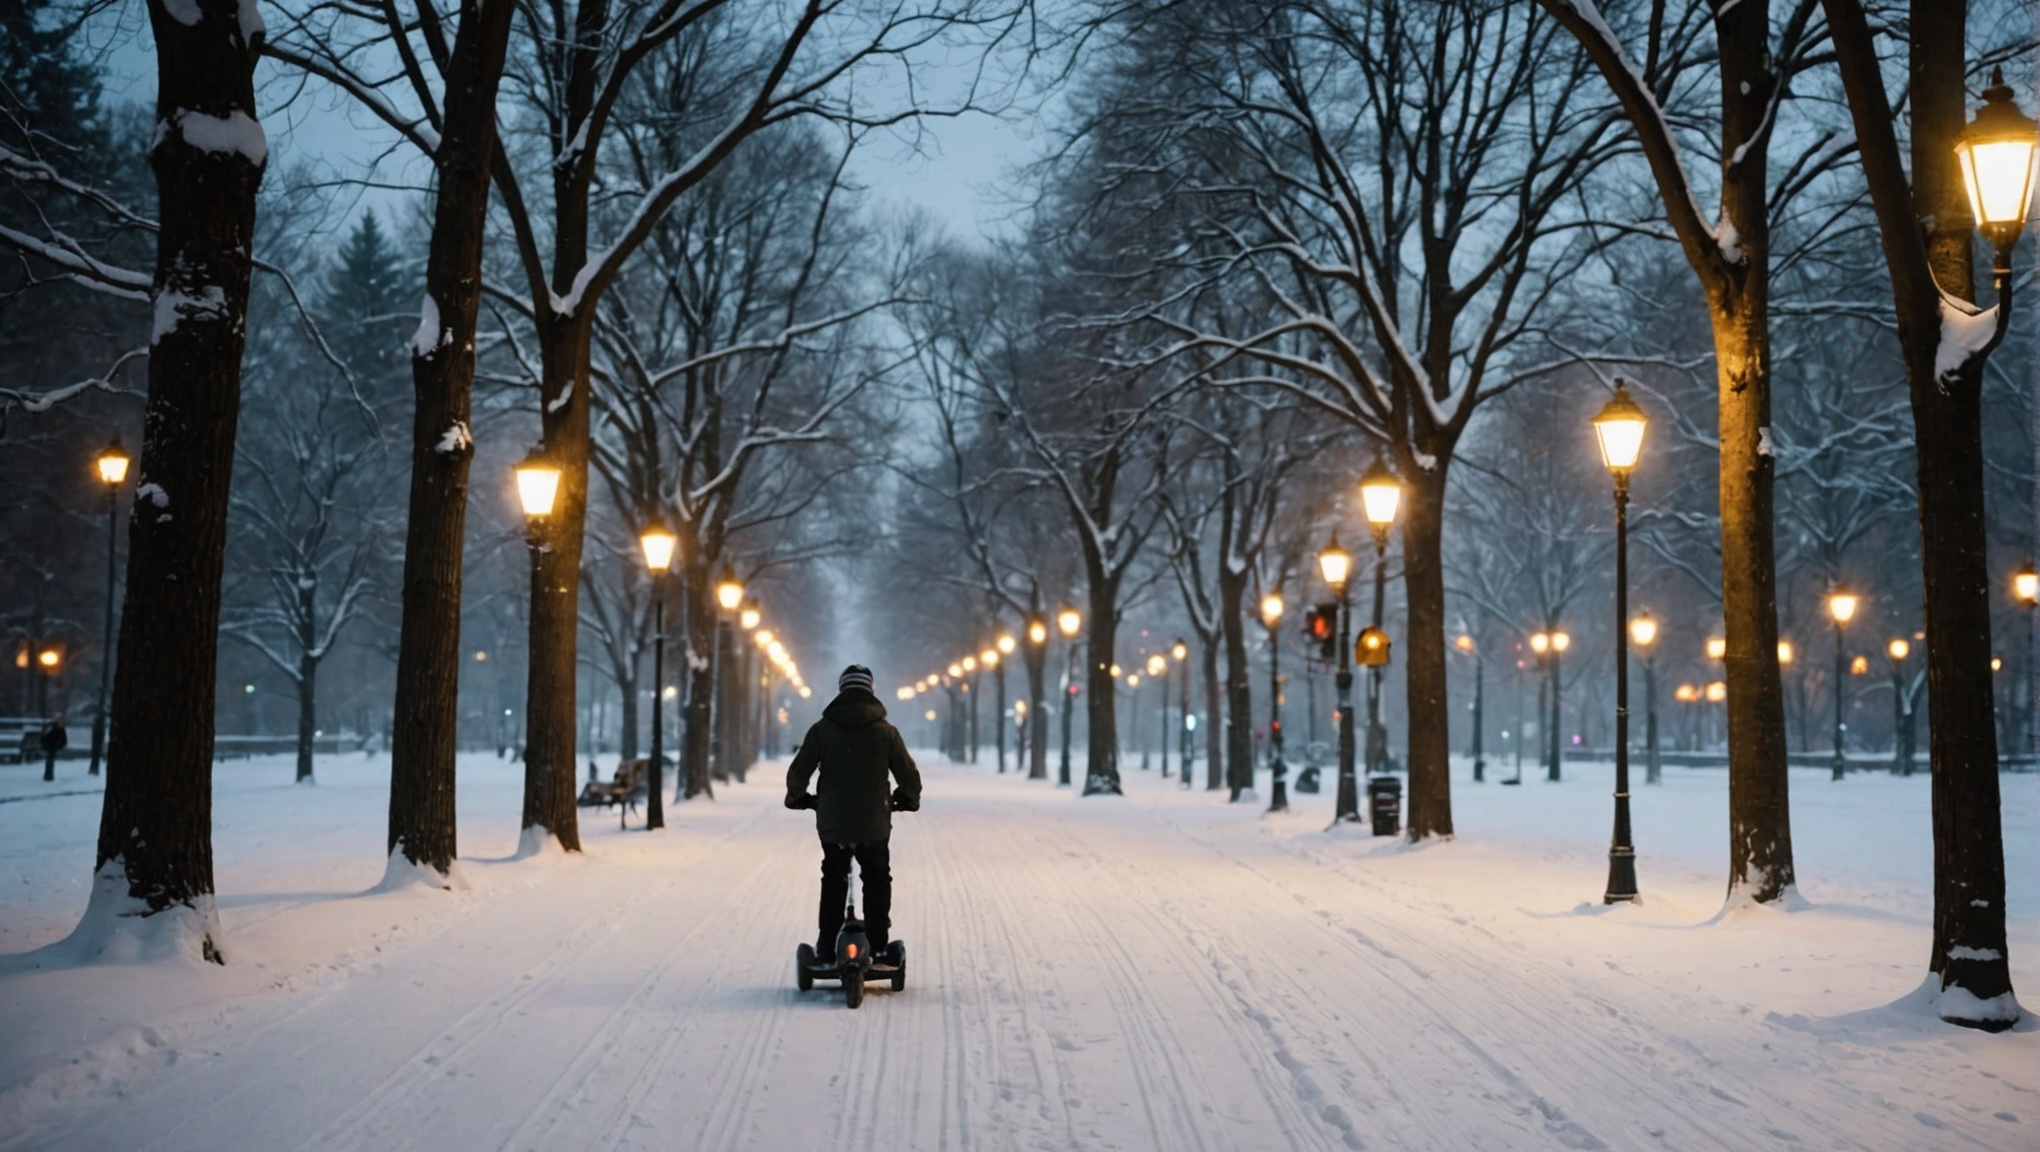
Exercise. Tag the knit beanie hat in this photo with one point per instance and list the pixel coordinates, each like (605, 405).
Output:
(855, 676)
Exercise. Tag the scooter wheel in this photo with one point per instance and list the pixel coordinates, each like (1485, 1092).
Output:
(853, 987)
(899, 960)
(803, 964)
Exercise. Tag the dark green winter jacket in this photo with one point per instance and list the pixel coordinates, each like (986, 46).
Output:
(856, 750)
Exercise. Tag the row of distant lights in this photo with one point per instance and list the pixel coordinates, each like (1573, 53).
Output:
(958, 669)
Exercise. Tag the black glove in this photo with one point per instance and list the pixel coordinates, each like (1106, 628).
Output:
(798, 800)
(901, 802)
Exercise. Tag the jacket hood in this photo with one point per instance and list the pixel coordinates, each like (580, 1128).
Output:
(854, 708)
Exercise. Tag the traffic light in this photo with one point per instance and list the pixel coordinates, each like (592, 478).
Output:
(1321, 625)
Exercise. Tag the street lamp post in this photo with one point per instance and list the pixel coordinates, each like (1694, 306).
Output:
(1068, 621)
(1841, 608)
(1465, 644)
(538, 486)
(1901, 713)
(970, 666)
(1643, 633)
(2026, 590)
(1619, 428)
(1181, 651)
(1380, 493)
(48, 662)
(1278, 788)
(1034, 738)
(1336, 564)
(1158, 671)
(1560, 641)
(658, 543)
(742, 714)
(993, 658)
(113, 466)
(729, 596)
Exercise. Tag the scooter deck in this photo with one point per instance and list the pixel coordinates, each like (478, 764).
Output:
(835, 971)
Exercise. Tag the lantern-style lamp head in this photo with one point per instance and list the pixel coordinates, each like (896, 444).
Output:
(764, 638)
(1643, 630)
(49, 658)
(1995, 153)
(1784, 652)
(1540, 642)
(1619, 427)
(1717, 692)
(1133, 680)
(1560, 641)
(728, 592)
(658, 543)
(1899, 649)
(969, 663)
(1157, 664)
(1006, 644)
(989, 658)
(1717, 648)
(749, 615)
(1686, 694)
(2026, 585)
(1271, 609)
(1380, 493)
(1069, 621)
(538, 484)
(1114, 671)
(955, 671)
(1037, 633)
(1336, 563)
(113, 463)
(1180, 650)
(1841, 606)
(1463, 642)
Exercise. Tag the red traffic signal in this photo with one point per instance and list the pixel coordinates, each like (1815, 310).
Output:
(1321, 625)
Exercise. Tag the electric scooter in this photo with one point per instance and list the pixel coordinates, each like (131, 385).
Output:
(853, 963)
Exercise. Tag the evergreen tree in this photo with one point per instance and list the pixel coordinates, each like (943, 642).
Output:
(366, 305)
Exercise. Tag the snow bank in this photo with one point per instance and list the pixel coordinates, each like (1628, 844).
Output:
(400, 873)
(117, 928)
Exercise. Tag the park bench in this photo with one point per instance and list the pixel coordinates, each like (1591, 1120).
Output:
(630, 785)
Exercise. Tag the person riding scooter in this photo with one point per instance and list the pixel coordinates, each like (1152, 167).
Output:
(859, 756)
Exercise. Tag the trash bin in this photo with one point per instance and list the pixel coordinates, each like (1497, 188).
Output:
(1384, 801)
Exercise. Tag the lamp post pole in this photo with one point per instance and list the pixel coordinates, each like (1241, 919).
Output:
(1181, 651)
(1377, 736)
(1278, 788)
(1556, 770)
(1653, 772)
(1619, 428)
(655, 800)
(113, 465)
(1069, 704)
(1348, 806)
(1162, 691)
(999, 717)
(1839, 765)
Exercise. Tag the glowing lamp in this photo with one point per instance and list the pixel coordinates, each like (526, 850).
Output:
(1560, 641)
(659, 544)
(1380, 494)
(1463, 642)
(1995, 153)
(1784, 652)
(989, 658)
(1271, 609)
(2026, 585)
(1336, 564)
(1540, 642)
(1619, 427)
(1069, 621)
(729, 593)
(1898, 649)
(1841, 606)
(1157, 664)
(1717, 648)
(1717, 692)
(1006, 645)
(538, 484)
(113, 463)
(748, 618)
(1180, 650)
(1643, 630)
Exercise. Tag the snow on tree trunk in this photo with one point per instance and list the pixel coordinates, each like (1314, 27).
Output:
(154, 855)
(427, 712)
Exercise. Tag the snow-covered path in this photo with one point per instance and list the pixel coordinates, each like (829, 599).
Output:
(1158, 972)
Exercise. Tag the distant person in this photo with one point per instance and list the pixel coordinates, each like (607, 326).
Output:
(859, 757)
(54, 740)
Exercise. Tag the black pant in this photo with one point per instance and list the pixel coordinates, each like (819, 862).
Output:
(874, 861)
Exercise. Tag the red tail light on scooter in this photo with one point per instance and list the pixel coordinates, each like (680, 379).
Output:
(850, 951)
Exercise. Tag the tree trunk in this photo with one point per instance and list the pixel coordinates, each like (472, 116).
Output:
(1214, 730)
(700, 614)
(1430, 746)
(155, 831)
(1101, 771)
(550, 704)
(307, 713)
(427, 722)
(1239, 701)
(1037, 716)
(1970, 955)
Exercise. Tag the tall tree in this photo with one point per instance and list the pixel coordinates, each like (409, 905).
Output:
(1929, 246)
(1731, 259)
(154, 856)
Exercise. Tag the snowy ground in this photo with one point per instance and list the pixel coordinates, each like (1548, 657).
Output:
(1159, 972)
